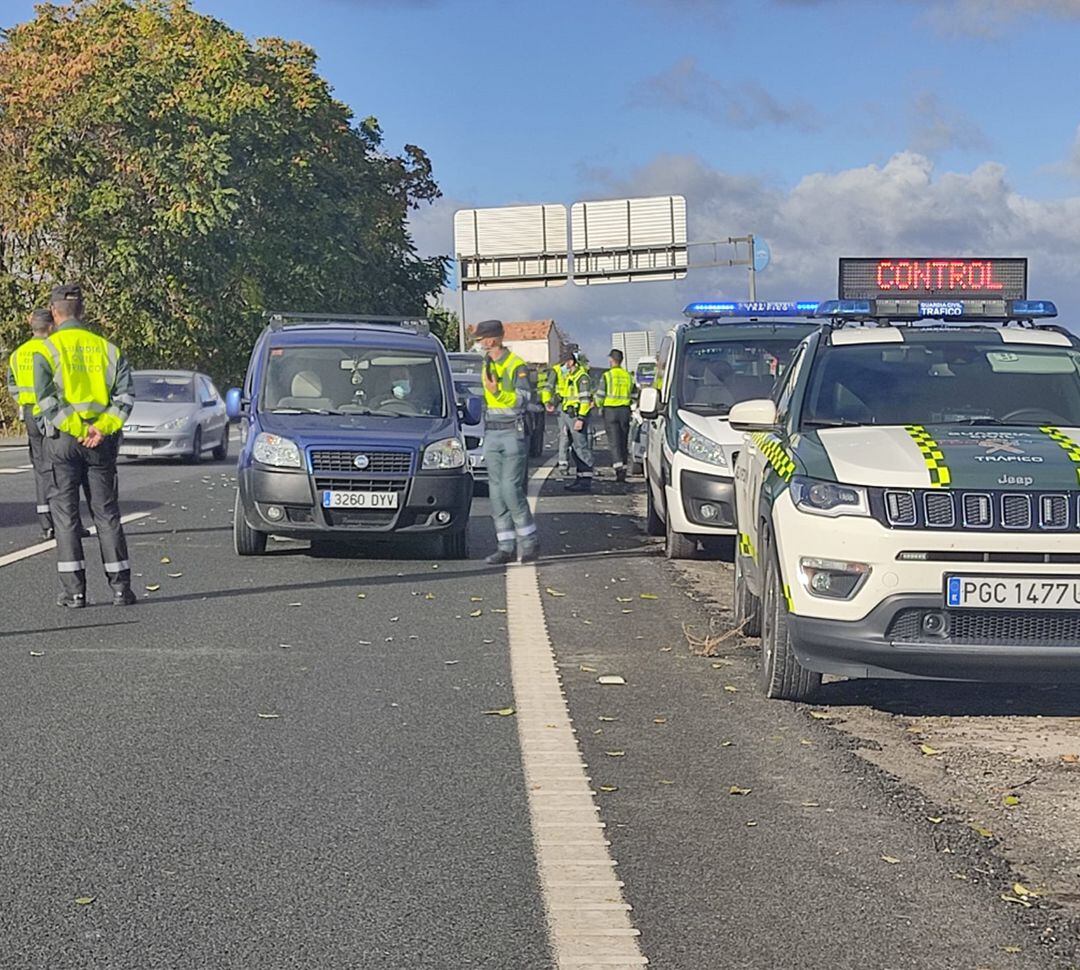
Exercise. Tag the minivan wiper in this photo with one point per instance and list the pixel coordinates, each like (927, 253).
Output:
(982, 419)
(833, 423)
(302, 411)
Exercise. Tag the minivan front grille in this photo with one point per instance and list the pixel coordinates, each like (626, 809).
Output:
(372, 462)
(986, 511)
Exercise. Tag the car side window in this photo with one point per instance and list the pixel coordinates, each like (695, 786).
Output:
(206, 390)
(662, 360)
(784, 391)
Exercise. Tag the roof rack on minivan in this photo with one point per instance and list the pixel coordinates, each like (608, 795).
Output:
(280, 319)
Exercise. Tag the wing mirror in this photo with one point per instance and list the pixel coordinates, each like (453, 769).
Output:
(235, 405)
(471, 410)
(756, 415)
(649, 402)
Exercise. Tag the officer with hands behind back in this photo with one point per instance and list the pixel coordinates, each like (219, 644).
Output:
(84, 388)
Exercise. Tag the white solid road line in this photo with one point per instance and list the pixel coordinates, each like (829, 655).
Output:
(588, 920)
(19, 470)
(19, 554)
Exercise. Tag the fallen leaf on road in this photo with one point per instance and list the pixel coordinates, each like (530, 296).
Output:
(83, 900)
(736, 790)
(610, 680)
(553, 592)
(731, 688)
(1011, 949)
(659, 720)
(153, 588)
(475, 613)
(174, 575)
(665, 781)
(37, 653)
(726, 744)
(979, 830)
(165, 560)
(1016, 899)
(627, 611)
(288, 604)
(665, 649)
(807, 742)
(649, 596)
(502, 712)
(587, 669)
(1071, 759)
(811, 805)
(615, 754)
(719, 664)
(623, 599)
(450, 663)
(890, 859)
(361, 596)
(751, 825)
(476, 599)
(364, 643)
(1010, 801)
(268, 717)
(498, 611)
(822, 715)
(928, 751)
(605, 717)
(934, 820)
(429, 596)
(1021, 890)
(608, 787)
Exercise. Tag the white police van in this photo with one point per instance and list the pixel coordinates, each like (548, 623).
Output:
(909, 495)
(722, 354)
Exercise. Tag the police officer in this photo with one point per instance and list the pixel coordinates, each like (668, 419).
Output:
(617, 393)
(576, 403)
(555, 394)
(506, 393)
(20, 382)
(84, 389)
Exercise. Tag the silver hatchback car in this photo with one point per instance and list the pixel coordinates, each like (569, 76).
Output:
(177, 414)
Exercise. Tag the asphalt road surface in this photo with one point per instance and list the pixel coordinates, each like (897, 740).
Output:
(284, 762)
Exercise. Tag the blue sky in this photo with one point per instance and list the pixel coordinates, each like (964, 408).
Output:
(825, 126)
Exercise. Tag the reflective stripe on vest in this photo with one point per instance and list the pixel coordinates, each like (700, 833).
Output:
(571, 395)
(22, 366)
(617, 387)
(504, 402)
(84, 370)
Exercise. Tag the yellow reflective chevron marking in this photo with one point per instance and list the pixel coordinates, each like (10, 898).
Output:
(1071, 448)
(746, 546)
(940, 477)
(790, 601)
(775, 454)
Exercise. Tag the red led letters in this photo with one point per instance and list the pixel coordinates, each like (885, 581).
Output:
(937, 275)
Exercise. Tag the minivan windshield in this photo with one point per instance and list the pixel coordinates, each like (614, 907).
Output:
(718, 374)
(163, 388)
(351, 380)
(953, 381)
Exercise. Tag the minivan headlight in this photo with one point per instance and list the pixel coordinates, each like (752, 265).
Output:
(448, 453)
(696, 445)
(828, 498)
(272, 449)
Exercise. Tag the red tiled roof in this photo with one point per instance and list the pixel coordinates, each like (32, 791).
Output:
(526, 329)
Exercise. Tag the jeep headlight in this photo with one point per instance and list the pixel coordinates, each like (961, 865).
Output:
(695, 445)
(177, 424)
(448, 453)
(272, 449)
(828, 498)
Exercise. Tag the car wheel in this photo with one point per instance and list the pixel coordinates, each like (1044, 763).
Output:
(221, 452)
(196, 447)
(782, 676)
(246, 540)
(678, 545)
(745, 605)
(654, 525)
(454, 545)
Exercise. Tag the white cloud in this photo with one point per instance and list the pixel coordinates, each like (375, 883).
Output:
(904, 207)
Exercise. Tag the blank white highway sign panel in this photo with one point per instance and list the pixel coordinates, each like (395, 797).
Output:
(627, 240)
(511, 246)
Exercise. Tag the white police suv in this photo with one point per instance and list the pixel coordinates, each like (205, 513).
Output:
(724, 353)
(909, 495)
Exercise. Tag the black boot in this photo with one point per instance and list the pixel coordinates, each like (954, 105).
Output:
(73, 601)
(48, 533)
(620, 474)
(500, 557)
(580, 485)
(530, 552)
(124, 597)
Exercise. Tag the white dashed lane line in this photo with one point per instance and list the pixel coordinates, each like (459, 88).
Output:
(19, 554)
(588, 919)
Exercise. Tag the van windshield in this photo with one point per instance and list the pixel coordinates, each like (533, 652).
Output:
(347, 380)
(953, 381)
(719, 374)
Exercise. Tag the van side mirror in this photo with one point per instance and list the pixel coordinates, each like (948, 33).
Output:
(471, 410)
(235, 406)
(649, 402)
(756, 415)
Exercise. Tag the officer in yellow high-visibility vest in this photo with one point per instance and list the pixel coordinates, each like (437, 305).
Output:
(84, 389)
(506, 393)
(20, 384)
(617, 393)
(575, 403)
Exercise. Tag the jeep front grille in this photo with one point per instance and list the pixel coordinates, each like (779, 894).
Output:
(985, 511)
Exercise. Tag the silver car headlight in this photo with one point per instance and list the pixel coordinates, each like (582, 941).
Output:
(448, 453)
(272, 449)
(177, 424)
(696, 445)
(828, 498)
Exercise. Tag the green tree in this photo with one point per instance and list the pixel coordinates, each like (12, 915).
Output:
(444, 325)
(191, 179)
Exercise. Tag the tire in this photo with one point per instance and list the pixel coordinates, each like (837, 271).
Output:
(221, 452)
(654, 525)
(196, 447)
(745, 605)
(454, 545)
(246, 540)
(678, 545)
(782, 676)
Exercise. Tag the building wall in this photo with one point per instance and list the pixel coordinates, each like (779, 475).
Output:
(532, 351)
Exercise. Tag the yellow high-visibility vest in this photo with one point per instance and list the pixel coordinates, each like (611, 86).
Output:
(571, 391)
(84, 369)
(618, 386)
(505, 397)
(22, 367)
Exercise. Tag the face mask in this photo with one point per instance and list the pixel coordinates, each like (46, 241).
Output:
(401, 389)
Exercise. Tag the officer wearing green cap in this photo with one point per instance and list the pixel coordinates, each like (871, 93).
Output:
(84, 389)
(506, 394)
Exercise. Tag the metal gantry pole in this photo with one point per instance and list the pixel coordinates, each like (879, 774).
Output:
(753, 271)
(461, 305)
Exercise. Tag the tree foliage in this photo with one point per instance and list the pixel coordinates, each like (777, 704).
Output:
(191, 179)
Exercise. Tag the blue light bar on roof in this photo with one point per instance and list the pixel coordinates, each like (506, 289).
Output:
(956, 310)
(856, 309)
(1029, 309)
(755, 308)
